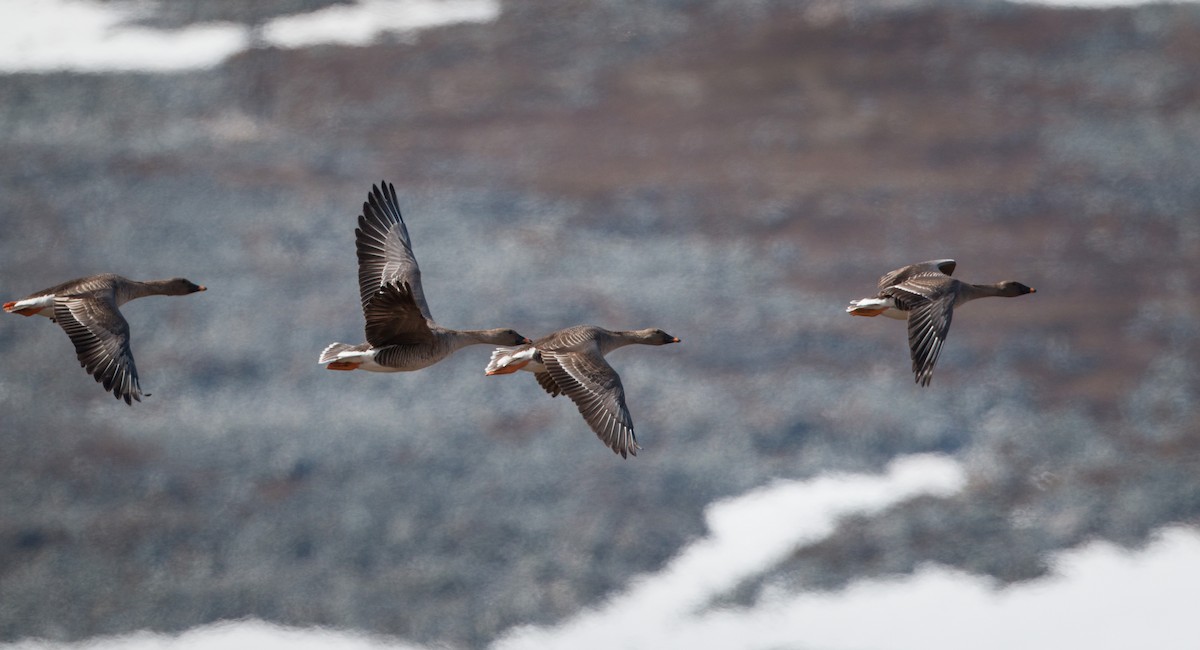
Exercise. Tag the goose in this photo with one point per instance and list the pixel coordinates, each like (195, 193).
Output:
(926, 295)
(401, 335)
(87, 309)
(571, 362)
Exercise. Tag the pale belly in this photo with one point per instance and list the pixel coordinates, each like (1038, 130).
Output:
(367, 361)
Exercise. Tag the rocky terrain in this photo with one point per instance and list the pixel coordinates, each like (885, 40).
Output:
(733, 173)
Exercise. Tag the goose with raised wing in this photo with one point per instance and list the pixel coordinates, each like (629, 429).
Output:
(87, 310)
(401, 335)
(926, 296)
(571, 362)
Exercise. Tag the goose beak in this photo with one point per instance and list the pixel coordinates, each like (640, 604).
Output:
(675, 339)
(202, 288)
(1032, 290)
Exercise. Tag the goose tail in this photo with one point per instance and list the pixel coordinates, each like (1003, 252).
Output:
(507, 360)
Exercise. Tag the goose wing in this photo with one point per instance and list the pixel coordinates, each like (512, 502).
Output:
(586, 378)
(385, 255)
(101, 338)
(547, 383)
(928, 324)
(395, 318)
(934, 267)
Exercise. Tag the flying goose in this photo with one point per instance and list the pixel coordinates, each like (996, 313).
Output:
(87, 309)
(571, 362)
(401, 335)
(926, 295)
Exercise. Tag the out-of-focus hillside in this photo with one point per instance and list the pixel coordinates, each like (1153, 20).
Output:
(733, 173)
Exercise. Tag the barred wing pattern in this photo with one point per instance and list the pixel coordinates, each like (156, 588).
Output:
(385, 253)
(928, 324)
(928, 297)
(586, 378)
(101, 338)
(939, 267)
(547, 383)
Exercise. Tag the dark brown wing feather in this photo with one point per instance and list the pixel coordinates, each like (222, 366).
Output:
(385, 253)
(101, 338)
(394, 318)
(938, 267)
(81, 286)
(586, 378)
(928, 324)
(578, 337)
(547, 383)
(921, 286)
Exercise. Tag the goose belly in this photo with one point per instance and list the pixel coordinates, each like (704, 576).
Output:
(367, 362)
(401, 358)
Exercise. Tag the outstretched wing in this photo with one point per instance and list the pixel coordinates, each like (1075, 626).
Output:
(101, 338)
(385, 255)
(928, 324)
(586, 378)
(927, 294)
(394, 318)
(547, 383)
(936, 267)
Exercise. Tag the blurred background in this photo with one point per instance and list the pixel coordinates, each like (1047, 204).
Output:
(731, 172)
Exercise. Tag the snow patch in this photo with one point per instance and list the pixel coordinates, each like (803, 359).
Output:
(91, 36)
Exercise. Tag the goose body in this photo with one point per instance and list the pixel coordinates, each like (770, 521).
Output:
(571, 362)
(401, 334)
(926, 296)
(88, 311)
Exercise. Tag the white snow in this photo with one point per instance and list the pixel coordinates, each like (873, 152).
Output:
(91, 36)
(748, 533)
(83, 35)
(1101, 597)
(229, 636)
(362, 23)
